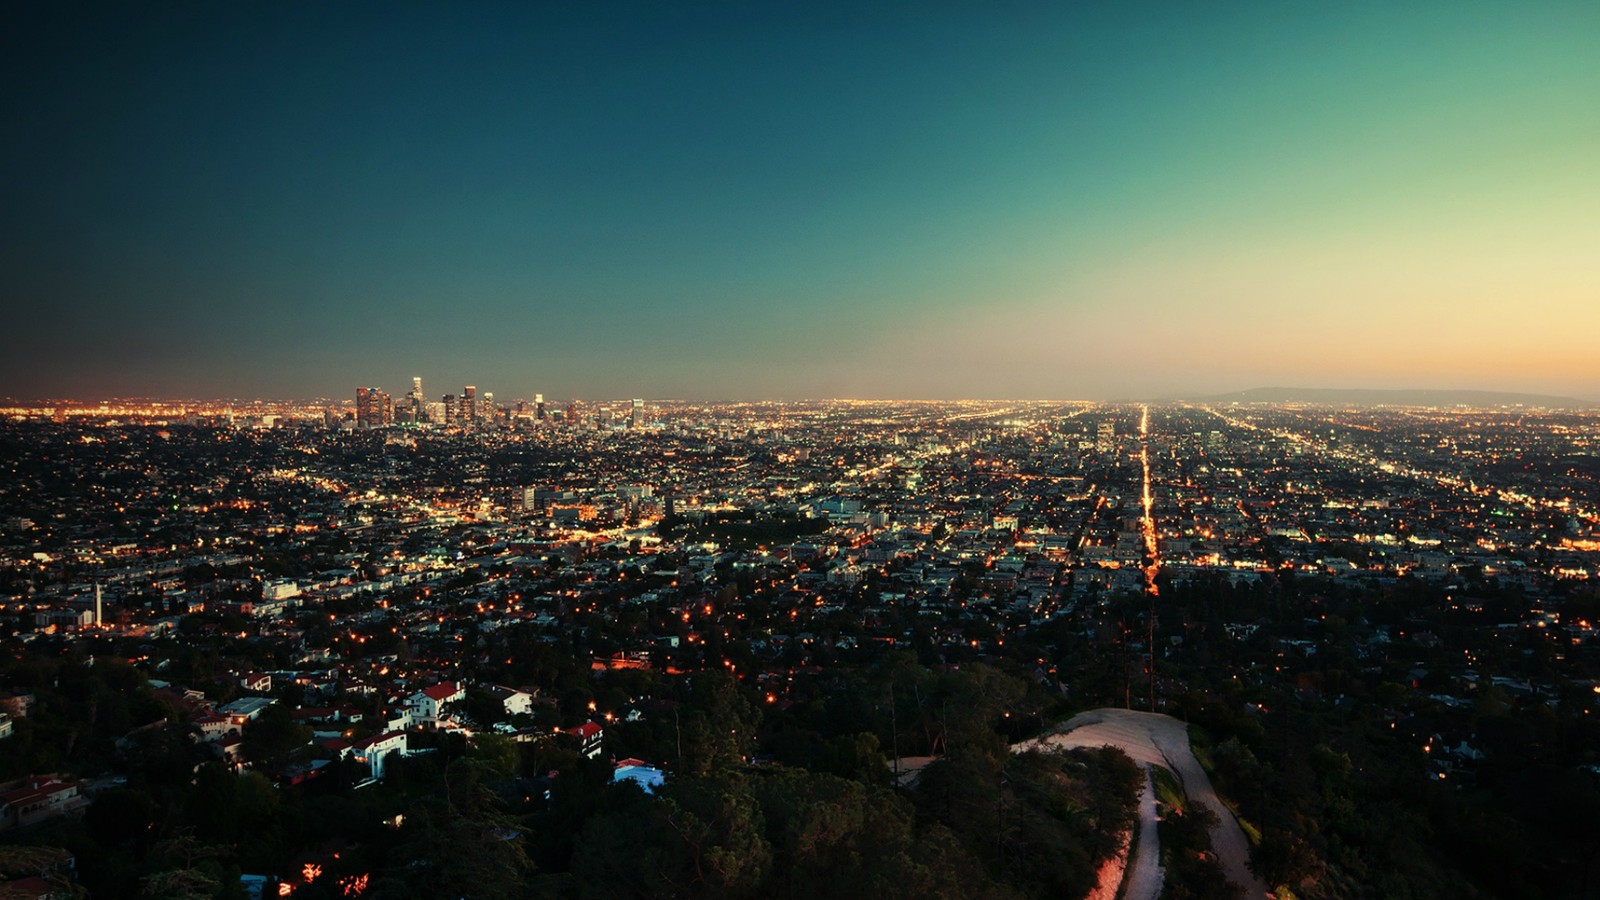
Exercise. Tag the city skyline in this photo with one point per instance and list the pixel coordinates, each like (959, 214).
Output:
(1262, 396)
(784, 203)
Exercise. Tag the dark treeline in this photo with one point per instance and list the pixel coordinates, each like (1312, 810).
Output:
(758, 801)
(1333, 756)
(1325, 738)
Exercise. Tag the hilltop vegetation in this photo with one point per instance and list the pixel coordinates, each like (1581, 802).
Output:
(757, 802)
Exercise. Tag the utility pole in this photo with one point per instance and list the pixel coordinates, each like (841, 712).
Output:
(894, 732)
(1152, 649)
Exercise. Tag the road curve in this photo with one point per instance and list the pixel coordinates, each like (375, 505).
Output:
(1159, 740)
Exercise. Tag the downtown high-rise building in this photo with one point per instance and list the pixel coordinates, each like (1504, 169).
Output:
(636, 415)
(374, 409)
(469, 405)
(415, 399)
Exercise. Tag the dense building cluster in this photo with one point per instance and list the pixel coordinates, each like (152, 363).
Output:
(380, 576)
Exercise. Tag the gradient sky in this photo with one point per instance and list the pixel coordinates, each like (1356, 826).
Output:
(798, 199)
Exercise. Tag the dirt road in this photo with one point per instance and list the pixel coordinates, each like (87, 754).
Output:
(1155, 739)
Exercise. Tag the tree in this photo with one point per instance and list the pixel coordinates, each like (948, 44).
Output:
(497, 755)
(857, 757)
(185, 869)
(52, 864)
(226, 809)
(459, 843)
(716, 727)
(273, 737)
(836, 838)
(480, 707)
(179, 884)
(120, 816)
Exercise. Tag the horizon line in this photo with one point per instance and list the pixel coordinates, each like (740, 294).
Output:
(1220, 396)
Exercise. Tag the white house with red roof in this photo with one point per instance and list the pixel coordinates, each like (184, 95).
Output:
(213, 727)
(425, 705)
(37, 798)
(374, 750)
(592, 737)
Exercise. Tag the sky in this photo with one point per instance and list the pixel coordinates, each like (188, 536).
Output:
(784, 200)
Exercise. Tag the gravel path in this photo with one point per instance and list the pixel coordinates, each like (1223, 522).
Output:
(1144, 878)
(1154, 739)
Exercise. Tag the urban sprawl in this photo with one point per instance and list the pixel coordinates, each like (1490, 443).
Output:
(384, 574)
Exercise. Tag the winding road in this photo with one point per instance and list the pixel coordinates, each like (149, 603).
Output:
(1152, 739)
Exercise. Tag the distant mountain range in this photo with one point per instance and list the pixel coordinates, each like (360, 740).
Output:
(1368, 397)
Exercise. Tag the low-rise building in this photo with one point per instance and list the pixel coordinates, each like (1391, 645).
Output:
(427, 704)
(38, 798)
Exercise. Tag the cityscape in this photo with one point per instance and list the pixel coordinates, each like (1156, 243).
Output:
(800, 451)
(335, 597)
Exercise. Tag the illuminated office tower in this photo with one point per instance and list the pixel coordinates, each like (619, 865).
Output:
(469, 405)
(538, 407)
(636, 416)
(374, 409)
(452, 410)
(486, 413)
(416, 398)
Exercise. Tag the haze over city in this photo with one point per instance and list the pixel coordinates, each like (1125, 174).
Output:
(799, 200)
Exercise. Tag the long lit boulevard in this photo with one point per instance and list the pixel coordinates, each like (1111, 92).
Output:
(378, 561)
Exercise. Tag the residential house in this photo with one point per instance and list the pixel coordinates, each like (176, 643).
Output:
(591, 738)
(516, 703)
(425, 705)
(246, 709)
(213, 727)
(37, 798)
(373, 751)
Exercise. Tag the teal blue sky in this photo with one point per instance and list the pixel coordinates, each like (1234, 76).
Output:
(784, 200)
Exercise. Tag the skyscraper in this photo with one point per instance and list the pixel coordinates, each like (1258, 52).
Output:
(538, 407)
(374, 408)
(416, 398)
(469, 405)
(636, 416)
